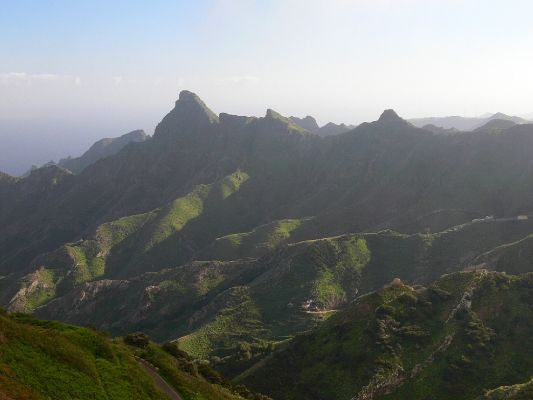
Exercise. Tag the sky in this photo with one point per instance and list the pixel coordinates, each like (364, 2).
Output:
(72, 72)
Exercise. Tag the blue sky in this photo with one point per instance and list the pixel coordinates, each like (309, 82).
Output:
(80, 70)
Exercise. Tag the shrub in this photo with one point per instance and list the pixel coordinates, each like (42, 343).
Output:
(408, 299)
(173, 349)
(210, 374)
(436, 294)
(137, 339)
(384, 310)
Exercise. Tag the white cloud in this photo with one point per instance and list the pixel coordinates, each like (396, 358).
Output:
(25, 79)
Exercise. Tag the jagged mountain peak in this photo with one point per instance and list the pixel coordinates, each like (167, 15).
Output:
(270, 113)
(389, 116)
(192, 103)
(308, 122)
(275, 119)
(188, 96)
(500, 115)
(189, 115)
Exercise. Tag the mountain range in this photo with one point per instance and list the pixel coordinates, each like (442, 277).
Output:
(465, 123)
(362, 255)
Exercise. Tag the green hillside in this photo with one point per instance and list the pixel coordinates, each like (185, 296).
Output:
(259, 247)
(467, 333)
(121, 247)
(235, 312)
(49, 360)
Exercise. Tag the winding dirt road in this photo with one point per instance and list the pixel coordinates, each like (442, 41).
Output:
(159, 382)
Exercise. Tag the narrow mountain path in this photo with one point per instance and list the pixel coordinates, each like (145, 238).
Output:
(159, 382)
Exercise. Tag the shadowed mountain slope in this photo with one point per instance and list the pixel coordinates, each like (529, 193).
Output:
(101, 149)
(378, 175)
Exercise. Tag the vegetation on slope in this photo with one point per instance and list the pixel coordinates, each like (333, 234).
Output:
(255, 243)
(120, 247)
(522, 391)
(235, 313)
(49, 360)
(466, 333)
(514, 258)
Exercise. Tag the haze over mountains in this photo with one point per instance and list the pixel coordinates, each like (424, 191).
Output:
(255, 243)
(465, 123)
(19, 146)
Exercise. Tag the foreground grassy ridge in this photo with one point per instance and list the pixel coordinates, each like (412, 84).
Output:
(194, 380)
(467, 333)
(49, 360)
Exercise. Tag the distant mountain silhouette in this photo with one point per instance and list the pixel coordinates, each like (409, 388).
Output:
(440, 131)
(310, 124)
(464, 123)
(496, 125)
(101, 149)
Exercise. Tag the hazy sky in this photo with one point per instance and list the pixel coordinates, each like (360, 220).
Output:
(74, 71)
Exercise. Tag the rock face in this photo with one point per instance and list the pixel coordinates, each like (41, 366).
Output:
(101, 149)
(190, 115)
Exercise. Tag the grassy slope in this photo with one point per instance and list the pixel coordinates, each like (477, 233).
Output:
(49, 360)
(255, 243)
(244, 322)
(120, 247)
(41, 360)
(73, 264)
(401, 341)
(238, 311)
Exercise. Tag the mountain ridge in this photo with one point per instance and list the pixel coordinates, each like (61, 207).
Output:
(101, 149)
